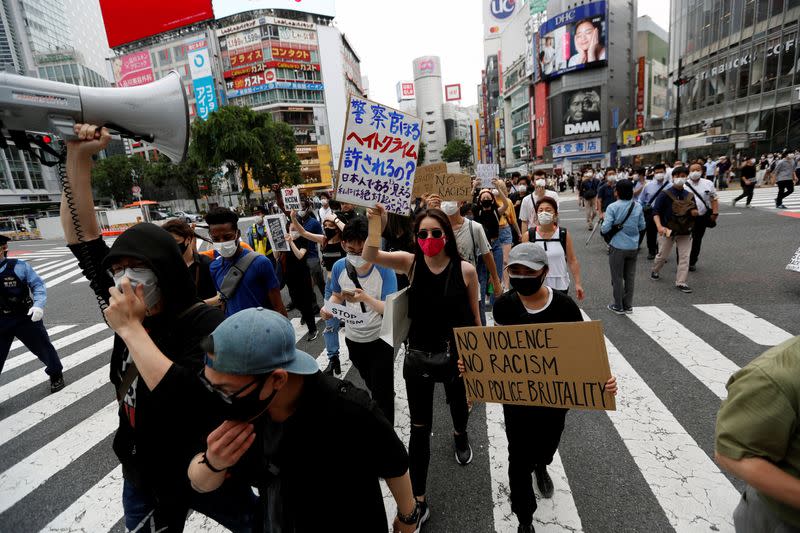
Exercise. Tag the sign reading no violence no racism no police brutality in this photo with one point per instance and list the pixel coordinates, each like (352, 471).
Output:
(550, 365)
(379, 156)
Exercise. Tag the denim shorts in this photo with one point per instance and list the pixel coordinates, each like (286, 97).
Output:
(506, 236)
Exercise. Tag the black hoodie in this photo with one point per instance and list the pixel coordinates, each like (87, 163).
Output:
(155, 435)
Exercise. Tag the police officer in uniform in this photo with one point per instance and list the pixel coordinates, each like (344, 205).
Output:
(257, 236)
(21, 315)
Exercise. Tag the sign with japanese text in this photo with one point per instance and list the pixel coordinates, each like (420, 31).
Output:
(351, 316)
(294, 35)
(246, 58)
(261, 67)
(133, 69)
(205, 96)
(379, 156)
(291, 199)
(276, 226)
(486, 172)
(290, 53)
(563, 365)
(452, 92)
(581, 147)
(297, 85)
(243, 39)
(405, 90)
(253, 80)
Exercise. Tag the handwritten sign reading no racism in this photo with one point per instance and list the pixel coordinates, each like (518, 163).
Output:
(379, 156)
(551, 365)
(435, 179)
(291, 199)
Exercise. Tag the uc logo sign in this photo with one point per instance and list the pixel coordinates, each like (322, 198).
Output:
(199, 61)
(501, 9)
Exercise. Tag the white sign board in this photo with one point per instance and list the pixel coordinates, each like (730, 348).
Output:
(350, 316)
(379, 156)
(276, 231)
(452, 92)
(486, 173)
(291, 199)
(794, 263)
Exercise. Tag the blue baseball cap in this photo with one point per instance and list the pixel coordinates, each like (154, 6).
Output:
(256, 341)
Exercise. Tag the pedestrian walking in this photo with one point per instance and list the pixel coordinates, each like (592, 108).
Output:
(707, 202)
(23, 296)
(647, 197)
(527, 213)
(257, 236)
(624, 221)
(674, 214)
(298, 277)
(784, 177)
(748, 180)
(306, 218)
(199, 265)
(758, 438)
(587, 189)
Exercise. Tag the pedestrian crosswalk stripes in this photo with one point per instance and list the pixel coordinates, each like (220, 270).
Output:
(686, 485)
(27, 357)
(762, 197)
(53, 331)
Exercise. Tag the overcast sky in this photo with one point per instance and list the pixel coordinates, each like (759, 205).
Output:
(387, 39)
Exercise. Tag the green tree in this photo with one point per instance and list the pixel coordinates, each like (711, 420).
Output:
(421, 155)
(458, 150)
(114, 176)
(251, 141)
(189, 175)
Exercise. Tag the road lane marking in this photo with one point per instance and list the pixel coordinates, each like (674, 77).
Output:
(754, 328)
(27, 357)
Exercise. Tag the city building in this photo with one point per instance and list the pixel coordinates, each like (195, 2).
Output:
(740, 58)
(428, 89)
(652, 78)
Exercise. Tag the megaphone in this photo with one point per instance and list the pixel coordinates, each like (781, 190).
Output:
(157, 113)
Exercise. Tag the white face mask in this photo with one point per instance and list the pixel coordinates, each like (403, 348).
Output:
(356, 260)
(324, 202)
(679, 182)
(545, 217)
(227, 248)
(144, 277)
(588, 175)
(522, 188)
(612, 178)
(694, 176)
(659, 176)
(449, 207)
(541, 183)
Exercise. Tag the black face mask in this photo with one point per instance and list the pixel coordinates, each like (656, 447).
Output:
(527, 286)
(330, 233)
(248, 408)
(486, 204)
(183, 246)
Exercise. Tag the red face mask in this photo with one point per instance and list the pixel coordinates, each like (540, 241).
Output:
(431, 246)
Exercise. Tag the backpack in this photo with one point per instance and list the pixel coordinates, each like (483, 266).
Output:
(562, 238)
(681, 221)
(589, 188)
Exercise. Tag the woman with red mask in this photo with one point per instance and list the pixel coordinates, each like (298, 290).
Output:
(443, 295)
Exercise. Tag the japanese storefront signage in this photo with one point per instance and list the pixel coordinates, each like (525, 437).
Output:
(580, 147)
(379, 156)
(261, 67)
(202, 80)
(246, 58)
(302, 86)
(243, 39)
(133, 69)
(563, 365)
(290, 53)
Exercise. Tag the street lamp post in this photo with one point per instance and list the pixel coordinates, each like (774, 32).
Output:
(678, 83)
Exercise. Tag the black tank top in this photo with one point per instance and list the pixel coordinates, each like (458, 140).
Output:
(331, 253)
(437, 303)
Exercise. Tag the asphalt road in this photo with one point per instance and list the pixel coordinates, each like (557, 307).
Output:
(645, 467)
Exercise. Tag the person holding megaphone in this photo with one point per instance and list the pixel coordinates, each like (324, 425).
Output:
(158, 430)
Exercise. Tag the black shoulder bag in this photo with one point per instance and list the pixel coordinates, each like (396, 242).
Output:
(616, 228)
(710, 222)
(432, 366)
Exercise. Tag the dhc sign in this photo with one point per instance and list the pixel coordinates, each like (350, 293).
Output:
(501, 9)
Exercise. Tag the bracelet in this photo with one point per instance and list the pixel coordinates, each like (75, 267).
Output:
(206, 462)
(411, 518)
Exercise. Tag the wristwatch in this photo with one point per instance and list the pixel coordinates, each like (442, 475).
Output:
(411, 518)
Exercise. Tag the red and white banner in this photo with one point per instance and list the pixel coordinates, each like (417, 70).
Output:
(452, 92)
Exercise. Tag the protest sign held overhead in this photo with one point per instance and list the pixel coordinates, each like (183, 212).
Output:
(276, 225)
(794, 262)
(291, 199)
(346, 314)
(379, 156)
(486, 172)
(435, 179)
(561, 365)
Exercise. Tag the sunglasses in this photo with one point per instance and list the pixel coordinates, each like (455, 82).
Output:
(435, 233)
(229, 398)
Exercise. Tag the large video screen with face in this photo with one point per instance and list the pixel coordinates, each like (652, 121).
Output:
(572, 40)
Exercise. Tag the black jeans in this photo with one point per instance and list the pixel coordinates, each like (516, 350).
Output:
(302, 295)
(652, 233)
(533, 436)
(698, 231)
(375, 363)
(785, 188)
(420, 406)
(747, 192)
(33, 336)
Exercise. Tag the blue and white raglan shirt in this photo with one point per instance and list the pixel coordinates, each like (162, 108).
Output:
(379, 283)
(26, 274)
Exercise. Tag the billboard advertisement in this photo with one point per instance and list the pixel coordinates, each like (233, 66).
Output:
(542, 117)
(226, 8)
(205, 96)
(427, 66)
(452, 92)
(573, 40)
(133, 69)
(405, 90)
(581, 111)
(496, 16)
(126, 22)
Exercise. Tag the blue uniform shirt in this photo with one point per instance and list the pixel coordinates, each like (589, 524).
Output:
(25, 272)
(253, 290)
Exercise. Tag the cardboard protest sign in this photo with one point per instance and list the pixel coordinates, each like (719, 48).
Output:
(486, 172)
(794, 262)
(395, 323)
(561, 365)
(276, 230)
(349, 315)
(453, 167)
(379, 156)
(434, 179)
(291, 199)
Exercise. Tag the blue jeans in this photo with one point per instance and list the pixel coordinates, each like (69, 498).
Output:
(233, 507)
(331, 331)
(497, 253)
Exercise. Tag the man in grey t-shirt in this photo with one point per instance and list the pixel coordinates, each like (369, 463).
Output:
(784, 177)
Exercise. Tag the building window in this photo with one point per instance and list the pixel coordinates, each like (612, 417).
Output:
(17, 168)
(788, 62)
(35, 171)
(771, 65)
(762, 10)
(757, 71)
(749, 13)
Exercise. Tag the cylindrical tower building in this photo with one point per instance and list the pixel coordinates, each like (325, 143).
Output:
(428, 88)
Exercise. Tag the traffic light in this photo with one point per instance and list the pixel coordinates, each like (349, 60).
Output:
(638, 140)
